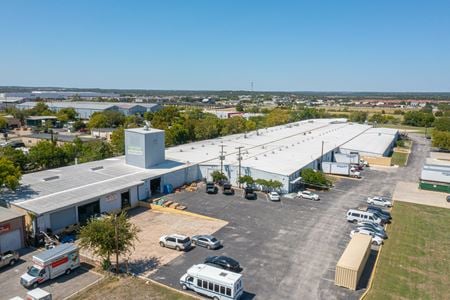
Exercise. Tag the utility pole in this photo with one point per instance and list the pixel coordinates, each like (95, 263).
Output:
(116, 236)
(222, 158)
(239, 161)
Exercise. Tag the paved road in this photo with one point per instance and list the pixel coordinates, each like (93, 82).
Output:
(289, 250)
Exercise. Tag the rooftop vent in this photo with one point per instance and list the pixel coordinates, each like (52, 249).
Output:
(192, 148)
(223, 274)
(203, 146)
(256, 158)
(96, 168)
(181, 150)
(51, 178)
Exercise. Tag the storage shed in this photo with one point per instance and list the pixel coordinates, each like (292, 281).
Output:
(350, 266)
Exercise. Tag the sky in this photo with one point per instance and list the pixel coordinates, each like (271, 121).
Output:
(298, 45)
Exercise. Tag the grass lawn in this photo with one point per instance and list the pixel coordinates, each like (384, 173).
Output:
(113, 288)
(415, 261)
(399, 158)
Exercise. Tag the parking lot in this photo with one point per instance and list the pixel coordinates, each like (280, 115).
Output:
(288, 249)
(60, 287)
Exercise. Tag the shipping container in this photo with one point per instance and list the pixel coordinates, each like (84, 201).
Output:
(350, 266)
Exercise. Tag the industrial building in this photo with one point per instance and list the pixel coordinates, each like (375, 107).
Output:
(435, 175)
(375, 142)
(86, 109)
(12, 230)
(57, 95)
(65, 196)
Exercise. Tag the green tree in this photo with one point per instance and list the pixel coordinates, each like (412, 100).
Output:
(95, 150)
(112, 235)
(176, 134)
(442, 124)
(358, 116)
(247, 179)
(78, 124)
(315, 178)
(3, 123)
(9, 174)
(118, 141)
(232, 126)
(16, 156)
(441, 139)
(278, 116)
(46, 154)
(98, 120)
(41, 109)
(206, 129)
(239, 107)
(418, 118)
(66, 114)
(218, 176)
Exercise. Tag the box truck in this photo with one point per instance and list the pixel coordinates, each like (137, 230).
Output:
(50, 264)
(340, 169)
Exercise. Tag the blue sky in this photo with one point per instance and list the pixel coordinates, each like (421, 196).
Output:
(279, 45)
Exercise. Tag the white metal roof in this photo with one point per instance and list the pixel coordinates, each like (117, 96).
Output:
(7, 214)
(374, 140)
(436, 175)
(54, 189)
(219, 275)
(88, 105)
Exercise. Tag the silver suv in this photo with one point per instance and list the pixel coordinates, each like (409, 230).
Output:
(175, 241)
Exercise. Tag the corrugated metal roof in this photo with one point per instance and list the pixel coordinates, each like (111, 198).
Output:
(7, 214)
(355, 252)
(374, 140)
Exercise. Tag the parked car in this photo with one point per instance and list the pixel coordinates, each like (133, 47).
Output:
(223, 262)
(376, 240)
(379, 210)
(9, 258)
(274, 196)
(448, 198)
(374, 226)
(250, 193)
(211, 188)
(175, 241)
(374, 231)
(308, 195)
(355, 216)
(207, 241)
(381, 201)
(227, 189)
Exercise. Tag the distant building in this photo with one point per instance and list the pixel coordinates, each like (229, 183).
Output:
(37, 121)
(86, 109)
(59, 95)
(60, 139)
(102, 133)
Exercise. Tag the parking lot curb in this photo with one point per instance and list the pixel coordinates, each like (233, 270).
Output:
(343, 177)
(169, 287)
(182, 212)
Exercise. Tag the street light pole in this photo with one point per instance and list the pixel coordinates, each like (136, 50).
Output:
(222, 158)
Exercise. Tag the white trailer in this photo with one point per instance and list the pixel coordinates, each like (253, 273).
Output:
(50, 264)
(352, 158)
(343, 169)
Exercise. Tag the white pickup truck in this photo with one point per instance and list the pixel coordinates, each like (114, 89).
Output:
(8, 258)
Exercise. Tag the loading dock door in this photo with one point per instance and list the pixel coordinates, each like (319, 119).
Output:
(155, 186)
(63, 218)
(10, 241)
(87, 211)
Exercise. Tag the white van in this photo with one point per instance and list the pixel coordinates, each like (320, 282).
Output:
(354, 215)
(213, 282)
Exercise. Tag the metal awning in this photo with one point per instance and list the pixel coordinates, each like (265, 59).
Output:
(298, 179)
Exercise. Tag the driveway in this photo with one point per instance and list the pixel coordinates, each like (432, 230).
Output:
(60, 287)
(289, 249)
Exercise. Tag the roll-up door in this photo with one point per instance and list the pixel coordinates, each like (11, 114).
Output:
(63, 218)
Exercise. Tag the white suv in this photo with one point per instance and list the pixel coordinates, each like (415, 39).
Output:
(175, 241)
(308, 195)
(376, 240)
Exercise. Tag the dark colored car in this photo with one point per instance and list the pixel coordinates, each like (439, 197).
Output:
(211, 188)
(250, 193)
(227, 189)
(223, 262)
(448, 198)
(379, 210)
